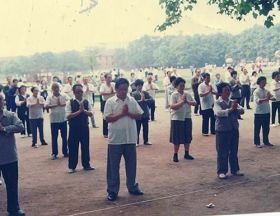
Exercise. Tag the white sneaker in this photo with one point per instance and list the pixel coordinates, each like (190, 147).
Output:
(70, 171)
(137, 144)
(273, 125)
(1, 182)
(205, 134)
(222, 176)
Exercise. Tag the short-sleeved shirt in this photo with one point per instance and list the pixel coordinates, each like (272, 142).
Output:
(57, 114)
(35, 110)
(185, 111)
(264, 107)
(88, 91)
(122, 131)
(107, 89)
(206, 102)
(151, 89)
(244, 79)
(276, 85)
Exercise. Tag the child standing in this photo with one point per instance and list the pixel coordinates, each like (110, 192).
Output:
(181, 122)
(227, 132)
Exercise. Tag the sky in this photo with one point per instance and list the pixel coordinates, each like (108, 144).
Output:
(30, 26)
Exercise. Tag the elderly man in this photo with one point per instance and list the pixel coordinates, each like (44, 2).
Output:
(9, 124)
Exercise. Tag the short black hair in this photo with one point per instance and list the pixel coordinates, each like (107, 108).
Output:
(15, 80)
(75, 86)
(150, 73)
(254, 72)
(275, 74)
(22, 86)
(233, 73)
(106, 74)
(121, 81)
(33, 88)
(69, 77)
(172, 78)
(179, 80)
(204, 75)
(261, 78)
(138, 82)
(221, 86)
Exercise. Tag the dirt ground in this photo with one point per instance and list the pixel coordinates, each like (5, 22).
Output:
(184, 188)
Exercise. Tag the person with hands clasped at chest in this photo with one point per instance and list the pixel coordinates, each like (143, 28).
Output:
(35, 104)
(206, 93)
(77, 112)
(181, 122)
(227, 132)
(262, 113)
(56, 103)
(121, 112)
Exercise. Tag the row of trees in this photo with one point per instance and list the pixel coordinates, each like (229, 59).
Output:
(158, 51)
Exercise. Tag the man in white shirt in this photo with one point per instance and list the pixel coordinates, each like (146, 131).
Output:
(151, 88)
(68, 88)
(35, 103)
(245, 83)
(276, 92)
(89, 91)
(107, 90)
(166, 83)
(206, 93)
(122, 111)
(56, 103)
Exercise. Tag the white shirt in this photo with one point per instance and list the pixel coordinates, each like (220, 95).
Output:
(264, 107)
(185, 111)
(275, 85)
(254, 81)
(18, 102)
(151, 89)
(88, 89)
(122, 131)
(166, 81)
(68, 91)
(57, 114)
(207, 101)
(244, 79)
(35, 110)
(107, 89)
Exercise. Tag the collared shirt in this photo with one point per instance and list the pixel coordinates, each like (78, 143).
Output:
(244, 79)
(207, 101)
(57, 114)
(185, 111)
(264, 107)
(69, 109)
(253, 81)
(223, 112)
(88, 89)
(107, 89)
(276, 85)
(35, 110)
(68, 91)
(151, 89)
(122, 131)
(8, 149)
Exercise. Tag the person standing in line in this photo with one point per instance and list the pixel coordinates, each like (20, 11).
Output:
(275, 104)
(9, 125)
(151, 88)
(6, 89)
(68, 88)
(77, 112)
(88, 90)
(206, 93)
(122, 111)
(107, 90)
(22, 110)
(245, 83)
(35, 104)
(195, 82)
(170, 89)
(253, 82)
(181, 121)
(44, 88)
(262, 113)
(143, 98)
(166, 83)
(227, 132)
(56, 103)
(12, 96)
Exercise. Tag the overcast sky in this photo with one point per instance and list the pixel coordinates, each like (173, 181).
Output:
(29, 26)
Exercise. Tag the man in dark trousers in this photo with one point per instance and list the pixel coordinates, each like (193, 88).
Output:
(10, 124)
(77, 112)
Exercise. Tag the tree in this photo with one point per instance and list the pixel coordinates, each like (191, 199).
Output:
(174, 9)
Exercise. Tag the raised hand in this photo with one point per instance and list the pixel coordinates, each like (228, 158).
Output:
(234, 104)
(82, 108)
(142, 97)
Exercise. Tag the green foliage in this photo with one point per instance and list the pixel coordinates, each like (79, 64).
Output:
(174, 9)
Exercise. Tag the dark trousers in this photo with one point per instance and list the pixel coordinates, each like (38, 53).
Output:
(145, 123)
(26, 124)
(10, 175)
(227, 150)
(261, 121)
(197, 106)
(275, 108)
(246, 94)
(105, 123)
(55, 127)
(115, 152)
(37, 123)
(152, 107)
(76, 136)
(206, 115)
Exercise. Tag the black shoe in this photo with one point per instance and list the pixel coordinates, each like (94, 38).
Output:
(148, 143)
(44, 143)
(89, 168)
(136, 193)
(268, 144)
(20, 212)
(248, 108)
(175, 158)
(188, 157)
(112, 197)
